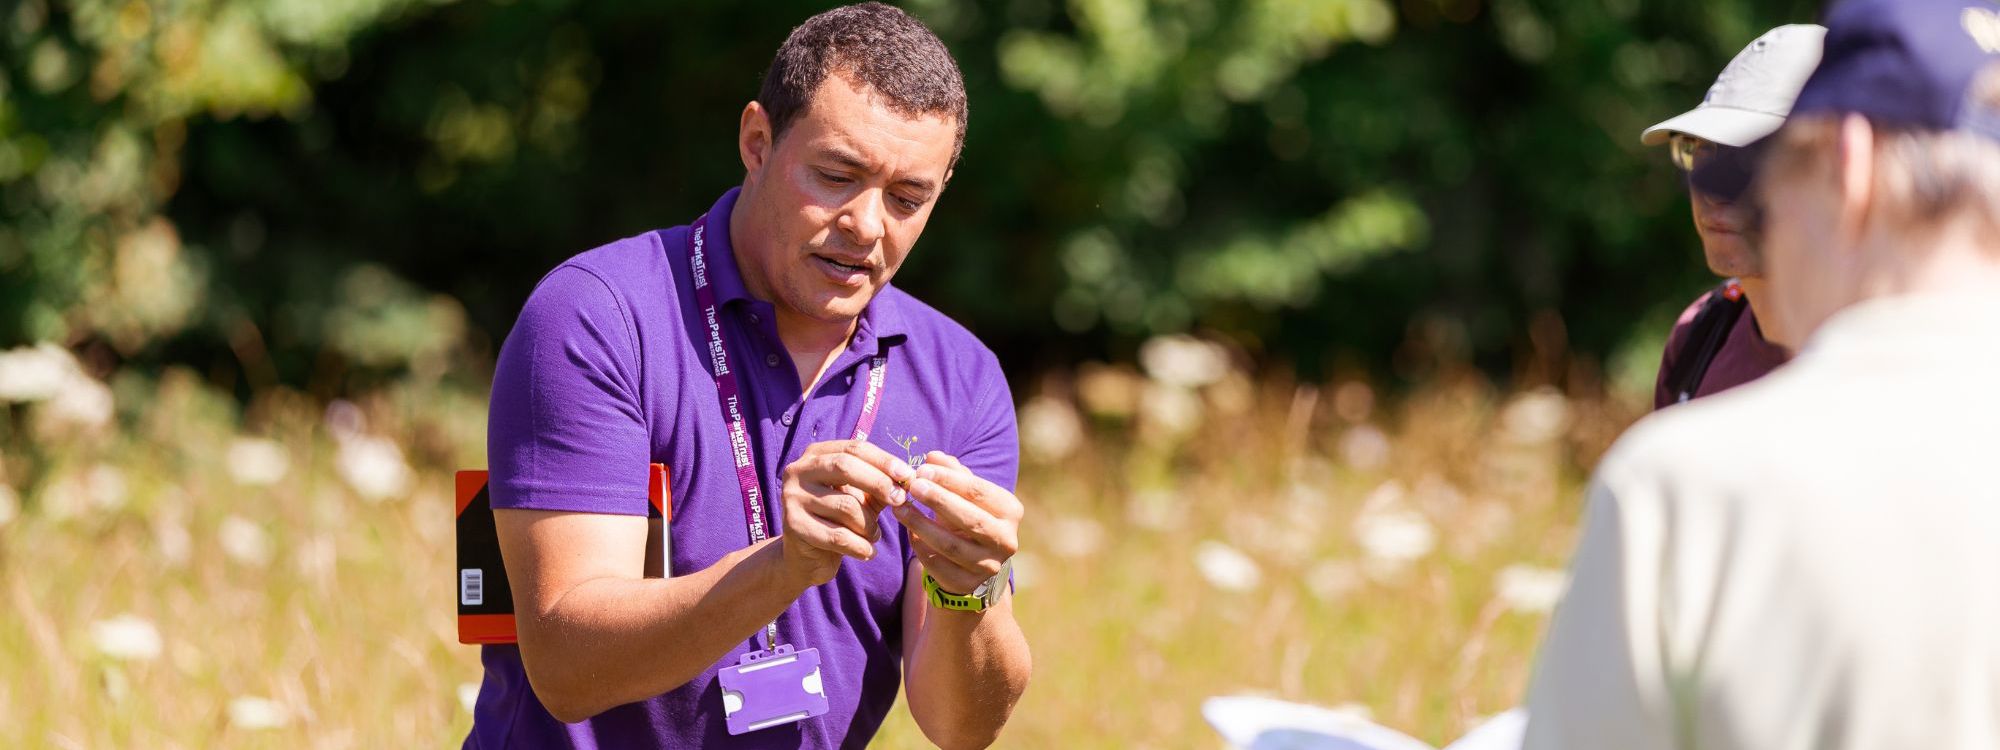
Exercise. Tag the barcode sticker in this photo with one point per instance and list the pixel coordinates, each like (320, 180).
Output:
(471, 587)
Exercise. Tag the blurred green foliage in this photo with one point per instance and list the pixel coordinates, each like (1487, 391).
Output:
(324, 192)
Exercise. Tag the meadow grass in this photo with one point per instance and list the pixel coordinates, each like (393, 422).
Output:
(303, 613)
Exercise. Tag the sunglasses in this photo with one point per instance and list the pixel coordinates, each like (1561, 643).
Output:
(1724, 172)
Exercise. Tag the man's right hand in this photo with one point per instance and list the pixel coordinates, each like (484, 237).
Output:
(833, 497)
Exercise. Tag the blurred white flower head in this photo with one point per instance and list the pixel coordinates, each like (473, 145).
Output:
(49, 373)
(244, 541)
(127, 637)
(1395, 535)
(1364, 447)
(1184, 361)
(374, 467)
(1539, 416)
(468, 695)
(1173, 411)
(344, 420)
(170, 534)
(253, 713)
(107, 489)
(34, 374)
(1050, 429)
(1531, 589)
(1226, 568)
(1073, 536)
(257, 462)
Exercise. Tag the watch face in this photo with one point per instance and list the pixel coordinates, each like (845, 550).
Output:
(980, 593)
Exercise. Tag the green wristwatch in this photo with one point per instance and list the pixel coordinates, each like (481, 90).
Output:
(979, 600)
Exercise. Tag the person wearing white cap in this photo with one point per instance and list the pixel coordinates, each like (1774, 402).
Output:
(1810, 560)
(1720, 341)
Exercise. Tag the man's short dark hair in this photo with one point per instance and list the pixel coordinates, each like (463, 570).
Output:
(872, 44)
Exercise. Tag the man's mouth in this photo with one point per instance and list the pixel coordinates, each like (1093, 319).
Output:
(843, 272)
(848, 267)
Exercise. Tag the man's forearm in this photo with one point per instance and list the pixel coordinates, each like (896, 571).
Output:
(611, 641)
(966, 672)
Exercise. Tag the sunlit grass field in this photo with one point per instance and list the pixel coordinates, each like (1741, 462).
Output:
(194, 573)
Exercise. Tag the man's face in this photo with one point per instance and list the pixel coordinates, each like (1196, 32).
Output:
(836, 203)
(1802, 210)
(1725, 236)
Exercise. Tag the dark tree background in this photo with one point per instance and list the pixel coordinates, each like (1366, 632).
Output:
(326, 193)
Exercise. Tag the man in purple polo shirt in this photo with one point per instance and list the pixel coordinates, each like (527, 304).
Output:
(1720, 342)
(841, 455)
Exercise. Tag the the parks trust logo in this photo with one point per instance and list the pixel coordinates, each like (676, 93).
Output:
(1984, 26)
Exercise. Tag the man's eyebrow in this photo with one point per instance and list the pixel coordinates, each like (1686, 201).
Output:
(846, 158)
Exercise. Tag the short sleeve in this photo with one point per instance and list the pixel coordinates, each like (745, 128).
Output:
(566, 426)
(989, 443)
(1598, 680)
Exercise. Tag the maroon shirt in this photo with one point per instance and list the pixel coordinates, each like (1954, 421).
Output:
(1745, 355)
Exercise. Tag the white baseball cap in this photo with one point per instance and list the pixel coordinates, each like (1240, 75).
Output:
(1755, 91)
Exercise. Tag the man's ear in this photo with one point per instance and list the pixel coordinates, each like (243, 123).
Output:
(1855, 159)
(753, 137)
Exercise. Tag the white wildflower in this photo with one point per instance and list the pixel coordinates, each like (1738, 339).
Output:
(244, 541)
(106, 487)
(1395, 535)
(1073, 537)
(468, 695)
(1050, 429)
(81, 401)
(1174, 411)
(257, 462)
(1184, 361)
(1364, 447)
(253, 713)
(344, 420)
(170, 534)
(374, 467)
(127, 637)
(1536, 417)
(1226, 568)
(1531, 589)
(34, 374)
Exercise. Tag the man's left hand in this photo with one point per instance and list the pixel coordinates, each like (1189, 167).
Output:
(977, 529)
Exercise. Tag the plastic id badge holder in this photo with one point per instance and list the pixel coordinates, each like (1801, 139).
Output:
(772, 688)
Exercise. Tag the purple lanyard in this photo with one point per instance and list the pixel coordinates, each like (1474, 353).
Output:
(732, 401)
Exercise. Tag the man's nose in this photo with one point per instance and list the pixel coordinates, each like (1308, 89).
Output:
(862, 220)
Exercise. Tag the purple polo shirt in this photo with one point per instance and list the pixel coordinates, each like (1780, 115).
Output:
(1744, 356)
(606, 371)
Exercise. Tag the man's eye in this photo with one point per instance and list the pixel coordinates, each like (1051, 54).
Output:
(834, 179)
(907, 204)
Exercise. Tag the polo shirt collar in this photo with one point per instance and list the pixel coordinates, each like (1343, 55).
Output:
(883, 321)
(723, 272)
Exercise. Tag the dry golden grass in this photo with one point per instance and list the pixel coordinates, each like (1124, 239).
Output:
(343, 622)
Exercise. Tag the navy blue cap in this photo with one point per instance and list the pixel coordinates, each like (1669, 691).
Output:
(1900, 63)
(1906, 63)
